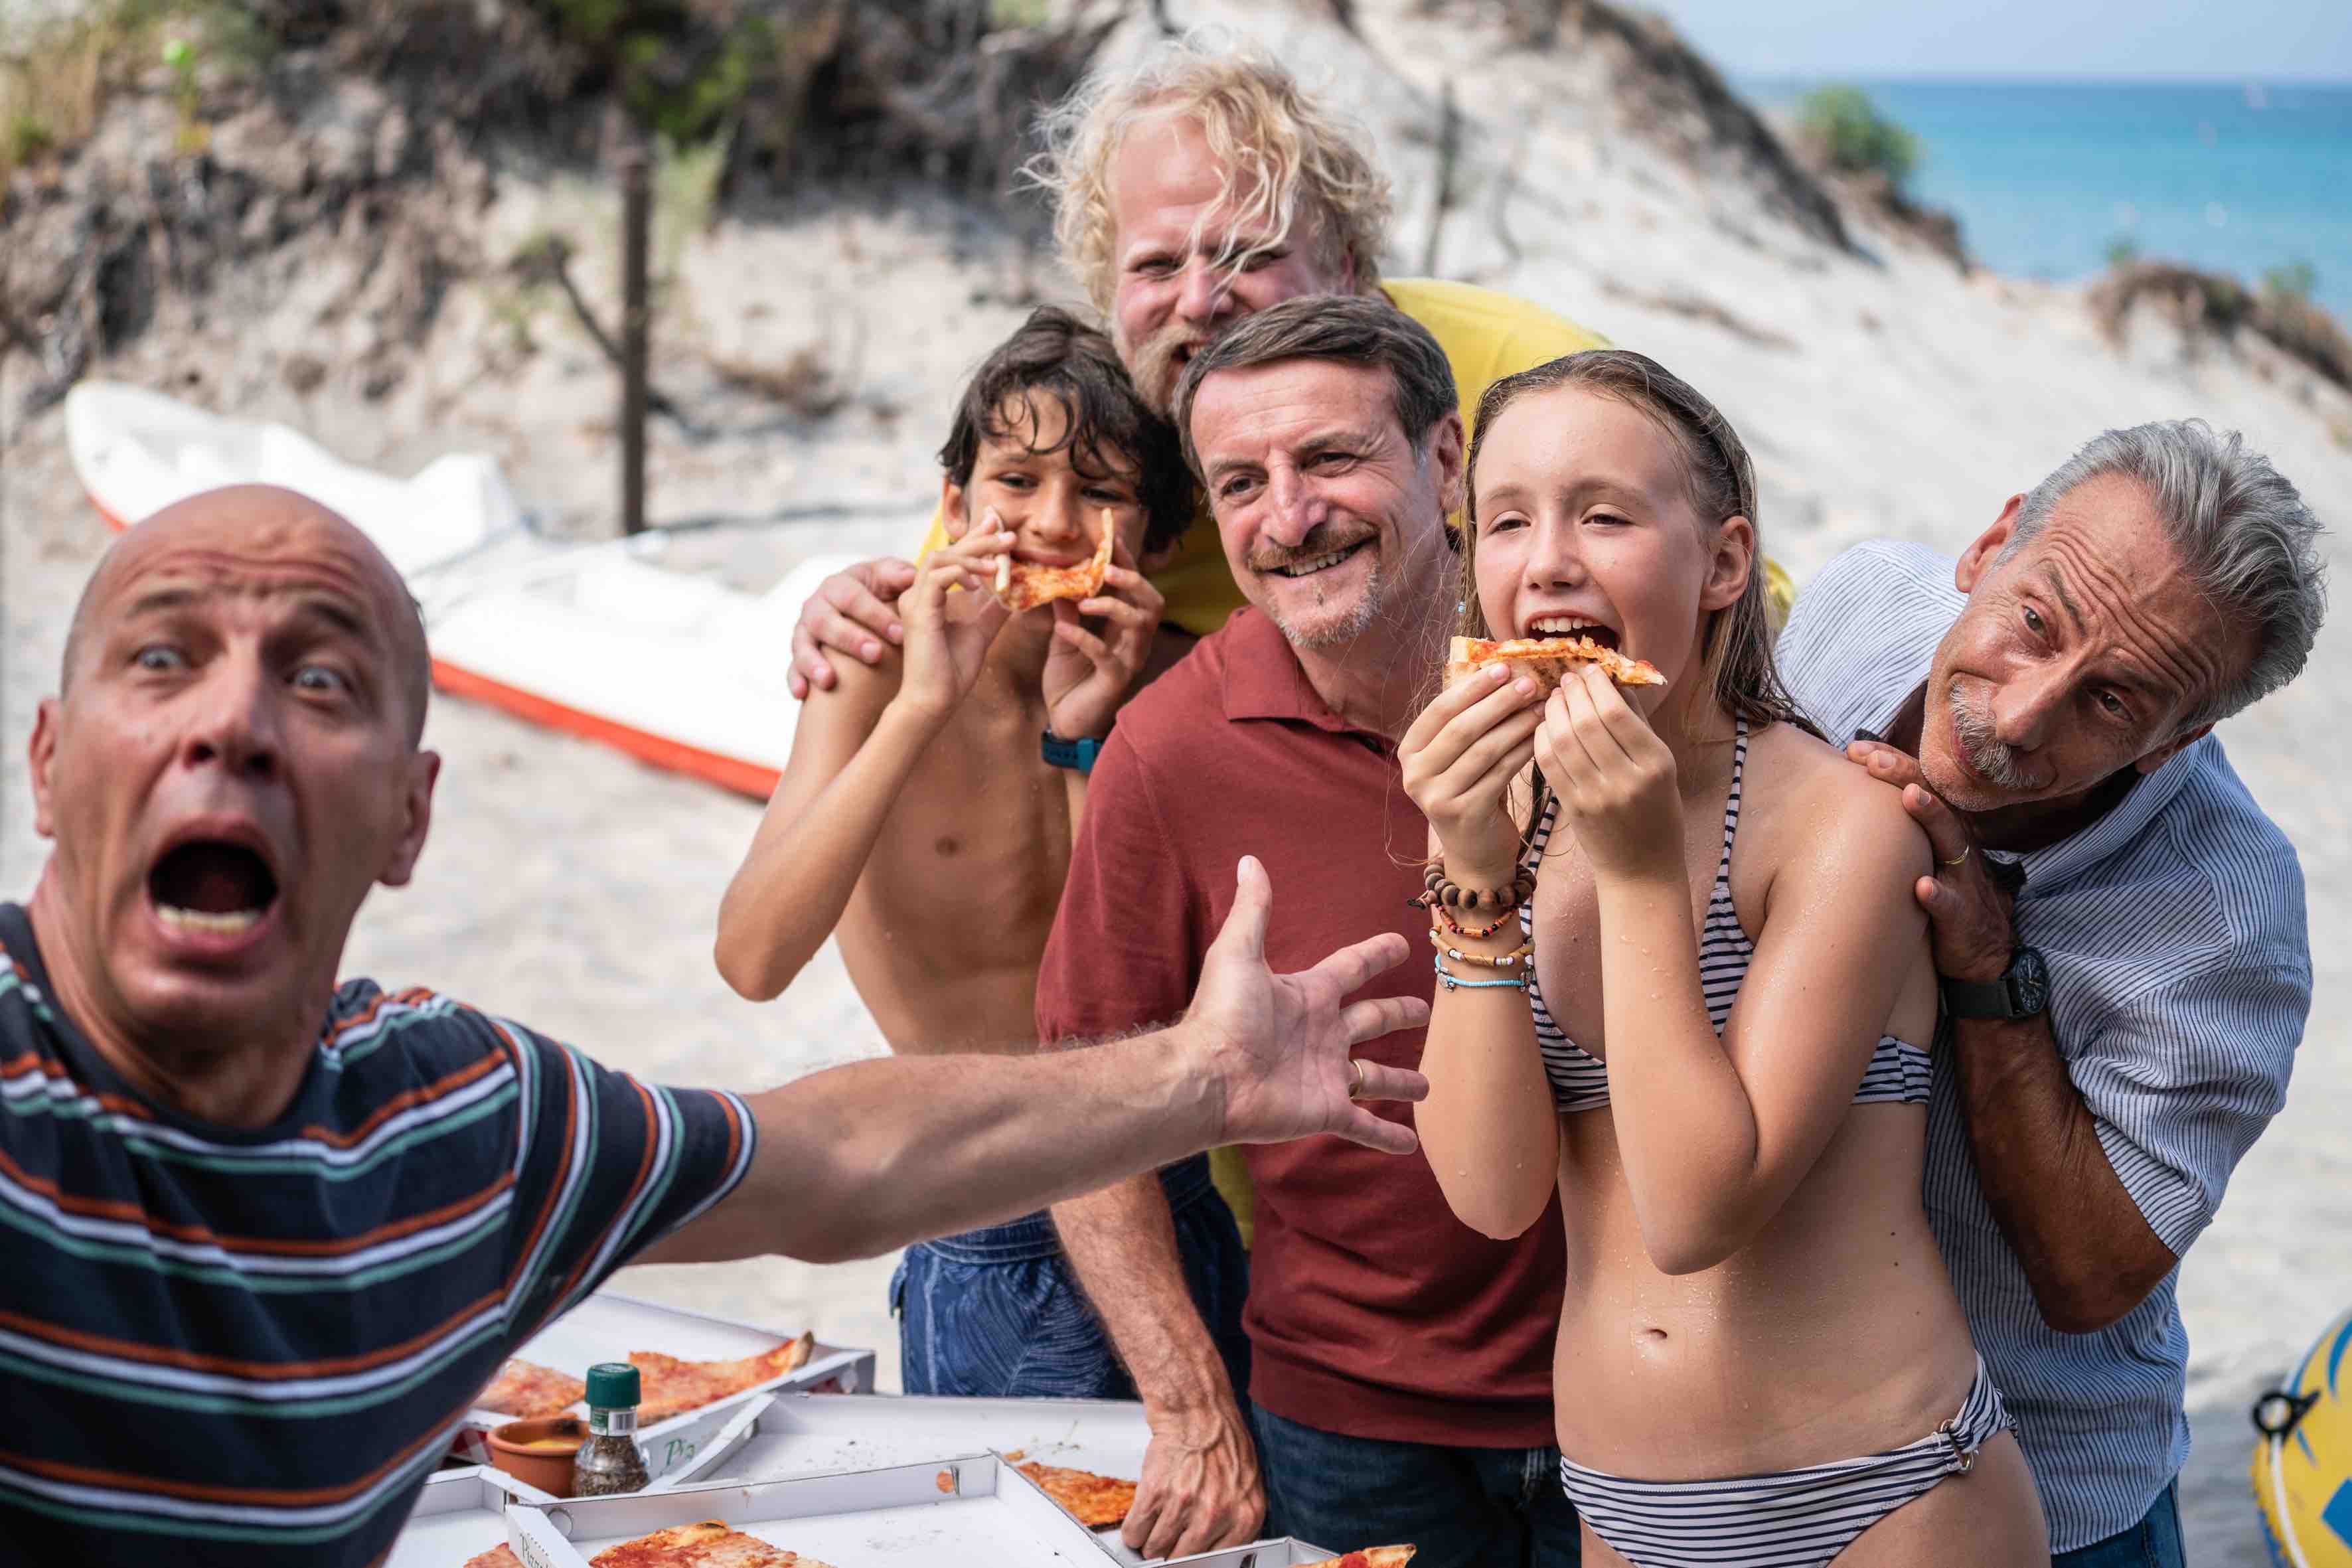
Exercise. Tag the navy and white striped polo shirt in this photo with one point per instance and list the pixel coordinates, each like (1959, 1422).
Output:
(240, 1346)
(2181, 977)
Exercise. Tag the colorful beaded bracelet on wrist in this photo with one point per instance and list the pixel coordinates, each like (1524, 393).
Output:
(1523, 953)
(1452, 982)
(1439, 914)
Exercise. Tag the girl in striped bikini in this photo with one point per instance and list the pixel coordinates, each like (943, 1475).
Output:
(1702, 1023)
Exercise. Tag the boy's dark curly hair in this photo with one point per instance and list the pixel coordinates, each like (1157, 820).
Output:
(1056, 353)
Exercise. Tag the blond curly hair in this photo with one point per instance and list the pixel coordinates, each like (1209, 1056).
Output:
(1294, 156)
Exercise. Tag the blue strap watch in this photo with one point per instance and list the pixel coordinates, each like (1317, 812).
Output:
(1078, 754)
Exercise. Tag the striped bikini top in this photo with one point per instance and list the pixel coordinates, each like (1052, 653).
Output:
(1898, 1071)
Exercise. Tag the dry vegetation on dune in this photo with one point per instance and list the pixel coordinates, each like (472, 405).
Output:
(2192, 300)
(195, 153)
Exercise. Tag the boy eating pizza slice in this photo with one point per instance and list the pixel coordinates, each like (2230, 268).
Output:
(925, 816)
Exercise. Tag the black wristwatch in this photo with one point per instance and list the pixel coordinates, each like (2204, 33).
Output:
(2022, 990)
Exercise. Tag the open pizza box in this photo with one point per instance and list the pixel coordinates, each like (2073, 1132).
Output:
(462, 1511)
(971, 1512)
(459, 1513)
(809, 1434)
(1283, 1553)
(812, 1434)
(608, 1326)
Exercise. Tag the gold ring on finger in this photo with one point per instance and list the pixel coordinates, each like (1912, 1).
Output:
(1963, 855)
(1355, 1078)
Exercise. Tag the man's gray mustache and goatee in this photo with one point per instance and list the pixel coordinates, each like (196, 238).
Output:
(1992, 760)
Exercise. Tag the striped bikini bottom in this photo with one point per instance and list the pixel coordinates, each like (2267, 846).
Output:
(1798, 1518)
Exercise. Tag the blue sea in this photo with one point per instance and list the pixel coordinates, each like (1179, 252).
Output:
(2236, 177)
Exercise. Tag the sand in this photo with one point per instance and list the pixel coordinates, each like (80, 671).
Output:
(1887, 394)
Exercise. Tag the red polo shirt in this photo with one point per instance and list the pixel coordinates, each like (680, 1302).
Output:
(1373, 1311)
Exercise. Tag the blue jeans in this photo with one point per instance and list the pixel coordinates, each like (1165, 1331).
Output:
(2153, 1543)
(1465, 1508)
(999, 1313)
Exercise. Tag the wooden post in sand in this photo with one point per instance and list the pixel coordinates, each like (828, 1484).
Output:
(636, 221)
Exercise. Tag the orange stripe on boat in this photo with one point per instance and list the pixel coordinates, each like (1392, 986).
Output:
(752, 779)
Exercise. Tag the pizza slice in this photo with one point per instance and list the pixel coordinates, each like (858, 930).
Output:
(1021, 586)
(496, 1557)
(1370, 1557)
(672, 1386)
(524, 1389)
(707, 1543)
(1092, 1500)
(1547, 659)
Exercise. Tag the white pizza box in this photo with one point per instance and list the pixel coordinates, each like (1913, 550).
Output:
(695, 1447)
(460, 1514)
(608, 1325)
(812, 1434)
(970, 1511)
(1284, 1553)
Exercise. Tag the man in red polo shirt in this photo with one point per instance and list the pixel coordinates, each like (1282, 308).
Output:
(1400, 1383)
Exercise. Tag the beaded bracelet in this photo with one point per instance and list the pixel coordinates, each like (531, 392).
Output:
(1456, 983)
(1439, 914)
(1518, 956)
(1453, 895)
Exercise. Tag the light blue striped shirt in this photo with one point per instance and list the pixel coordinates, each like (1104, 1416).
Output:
(2181, 977)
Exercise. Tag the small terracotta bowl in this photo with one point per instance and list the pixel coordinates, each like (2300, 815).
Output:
(539, 1452)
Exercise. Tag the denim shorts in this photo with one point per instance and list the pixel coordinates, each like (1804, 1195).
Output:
(2153, 1543)
(1465, 1508)
(999, 1313)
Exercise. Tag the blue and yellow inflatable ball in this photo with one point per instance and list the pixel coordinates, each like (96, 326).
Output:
(2303, 1460)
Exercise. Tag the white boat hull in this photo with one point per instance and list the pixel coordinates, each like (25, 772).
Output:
(678, 671)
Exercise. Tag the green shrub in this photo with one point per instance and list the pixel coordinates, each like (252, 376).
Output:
(682, 70)
(2122, 251)
(29, 136)
(1855, 137)
(2293, 281)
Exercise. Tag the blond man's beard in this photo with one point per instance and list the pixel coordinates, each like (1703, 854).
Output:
(1154, 366)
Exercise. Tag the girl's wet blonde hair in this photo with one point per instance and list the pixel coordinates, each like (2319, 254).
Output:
(1294, 156)
(1737, 658)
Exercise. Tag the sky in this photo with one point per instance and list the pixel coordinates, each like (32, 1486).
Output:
(2234, 39)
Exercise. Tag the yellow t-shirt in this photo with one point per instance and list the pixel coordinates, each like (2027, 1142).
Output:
(1487, 336)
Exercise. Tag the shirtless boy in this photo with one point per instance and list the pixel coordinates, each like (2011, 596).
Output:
(921, 821)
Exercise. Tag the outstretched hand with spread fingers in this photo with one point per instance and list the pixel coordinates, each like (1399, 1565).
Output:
(1971, 914)
(1278, 1045)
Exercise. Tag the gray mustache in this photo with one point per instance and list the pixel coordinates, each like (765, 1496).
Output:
(1993, 761)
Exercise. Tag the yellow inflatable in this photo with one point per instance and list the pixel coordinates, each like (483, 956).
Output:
(2302, 1461)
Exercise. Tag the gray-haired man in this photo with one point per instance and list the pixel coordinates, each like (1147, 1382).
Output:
(2121, 931)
